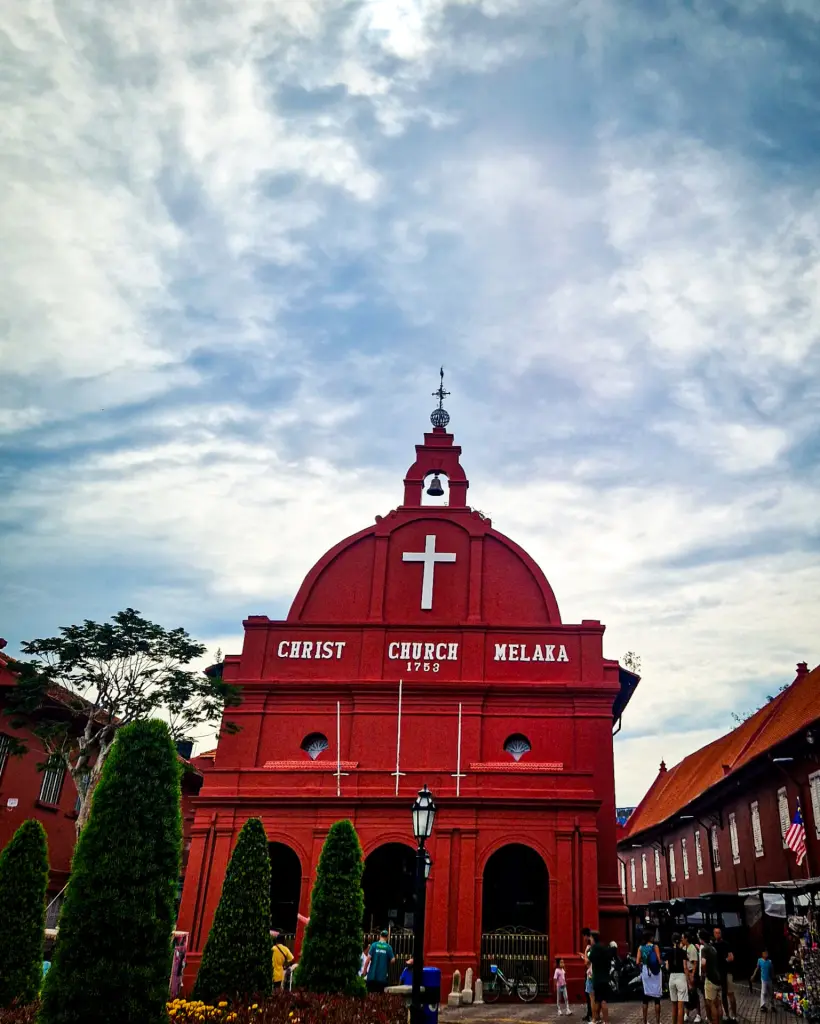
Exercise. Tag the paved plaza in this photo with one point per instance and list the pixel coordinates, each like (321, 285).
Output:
(748, 1012)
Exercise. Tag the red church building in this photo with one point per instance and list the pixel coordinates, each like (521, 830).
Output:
(427, 648)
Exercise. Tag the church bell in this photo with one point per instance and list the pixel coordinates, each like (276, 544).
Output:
(435, 490)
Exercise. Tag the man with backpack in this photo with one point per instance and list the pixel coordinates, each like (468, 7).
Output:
(649, 959)
(711, 977)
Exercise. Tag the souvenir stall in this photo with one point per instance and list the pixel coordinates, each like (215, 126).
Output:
(790, 927)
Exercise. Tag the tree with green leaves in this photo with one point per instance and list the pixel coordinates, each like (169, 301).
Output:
(237, 960)
(93, 679)
(332, 948)
(114, 947)
(23, 885)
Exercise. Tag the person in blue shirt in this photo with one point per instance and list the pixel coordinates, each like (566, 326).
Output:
(765, 969)
(381, 957)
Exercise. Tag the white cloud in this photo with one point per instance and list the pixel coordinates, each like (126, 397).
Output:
(284, 213)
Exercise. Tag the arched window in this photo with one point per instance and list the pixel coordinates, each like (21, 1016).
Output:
(517, 745)
(314, 744)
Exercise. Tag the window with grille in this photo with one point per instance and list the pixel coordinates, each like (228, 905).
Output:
(734, 842)
(671, 855)
(783, 812)
(698, 853)
(757, 831)
(657, 866)
(5, 746)
(51, 785)
(814, 788)
(82, 785)
(644, 875)
(716, 845)
(632, 873)
(684, 857)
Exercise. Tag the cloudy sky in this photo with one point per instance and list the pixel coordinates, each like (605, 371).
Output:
(239, 238)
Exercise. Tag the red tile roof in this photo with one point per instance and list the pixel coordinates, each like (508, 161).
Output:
(792, 710)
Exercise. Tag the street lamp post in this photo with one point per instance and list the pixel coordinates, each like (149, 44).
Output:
(424, 814)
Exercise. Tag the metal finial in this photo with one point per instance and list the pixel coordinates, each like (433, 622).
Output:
(440, 417)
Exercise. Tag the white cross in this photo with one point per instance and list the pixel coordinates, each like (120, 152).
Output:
(429, 557)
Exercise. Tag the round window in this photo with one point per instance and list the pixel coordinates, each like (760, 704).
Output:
(517, 745)
(314, 744)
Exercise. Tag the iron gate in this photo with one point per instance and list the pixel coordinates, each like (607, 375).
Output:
(517, 952)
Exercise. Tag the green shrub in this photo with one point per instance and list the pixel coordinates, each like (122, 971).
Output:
(23, 884)
(237, 960)
(112, 959)
(332, 949)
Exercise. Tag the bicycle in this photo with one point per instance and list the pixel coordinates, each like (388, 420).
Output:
(525, 987)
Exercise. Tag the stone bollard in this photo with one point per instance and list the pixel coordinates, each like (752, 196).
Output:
(467, 991)
(478, 998)
(454, 999)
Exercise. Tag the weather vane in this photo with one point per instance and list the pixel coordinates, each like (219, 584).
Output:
(440, 417)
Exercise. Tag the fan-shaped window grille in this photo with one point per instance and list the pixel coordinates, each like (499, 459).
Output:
(516, 746)
(314, 744)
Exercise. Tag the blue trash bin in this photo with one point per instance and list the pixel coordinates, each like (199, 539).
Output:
(431, 980)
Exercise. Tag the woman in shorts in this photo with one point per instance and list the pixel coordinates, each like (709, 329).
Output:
(678, 965)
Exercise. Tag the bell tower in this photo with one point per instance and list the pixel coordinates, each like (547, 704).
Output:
(437, 456)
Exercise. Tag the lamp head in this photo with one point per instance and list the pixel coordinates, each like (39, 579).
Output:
(424, 814)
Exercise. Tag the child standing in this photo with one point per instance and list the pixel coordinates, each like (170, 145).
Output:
(765, 969)
(560, 977)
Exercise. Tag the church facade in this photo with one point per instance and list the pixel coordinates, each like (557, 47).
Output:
(426, 649)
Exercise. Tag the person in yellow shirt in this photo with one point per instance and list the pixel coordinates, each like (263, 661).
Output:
(282, 956)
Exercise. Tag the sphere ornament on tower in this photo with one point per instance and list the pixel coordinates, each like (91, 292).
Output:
(440, 417)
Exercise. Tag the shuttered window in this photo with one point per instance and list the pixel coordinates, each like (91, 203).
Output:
(684, 856)
(623, 878)
(814, 786)
(5, 745)
(644, 875)
(715, 838)
(632, 873)
(783, 813)
(657, 866)
(733, 839)
(757, 831)
(698, 853)
(51, 785)
(671, 854)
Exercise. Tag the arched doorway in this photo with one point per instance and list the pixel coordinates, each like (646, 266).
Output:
(515, 913)
(516, 889)
(389, 884)
(285, 887)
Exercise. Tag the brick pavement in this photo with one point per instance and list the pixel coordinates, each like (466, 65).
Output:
(748, 1012)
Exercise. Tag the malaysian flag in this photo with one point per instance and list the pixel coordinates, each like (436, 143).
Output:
(796, 836)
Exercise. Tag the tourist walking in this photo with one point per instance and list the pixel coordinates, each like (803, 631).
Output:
(600, 960)
(765, 971)
(725, 958)
(693, 956)
(711, 977)
(381, 957)
(649, 959)
(560, 978)
(282, 958)
(586, 940)
(679, 977)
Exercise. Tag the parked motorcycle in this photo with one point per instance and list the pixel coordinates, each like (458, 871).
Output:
(625, 978)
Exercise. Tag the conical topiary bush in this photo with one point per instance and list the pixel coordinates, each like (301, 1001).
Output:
(113, 956)
(23, 885)
(237, 960)
(332, 949)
